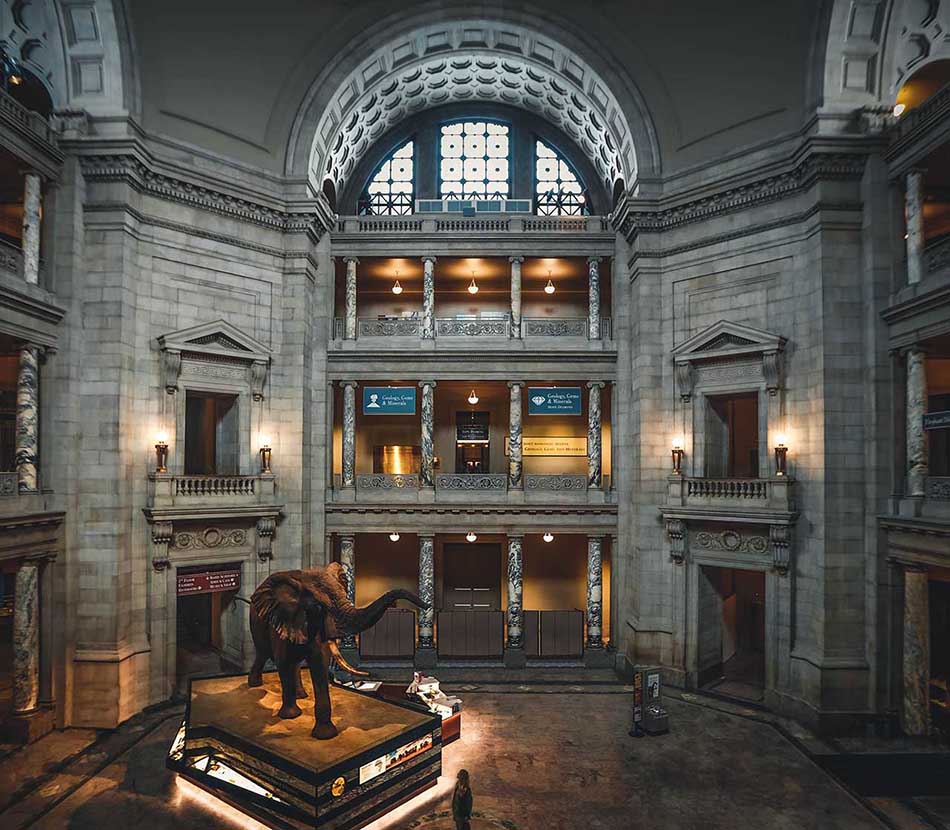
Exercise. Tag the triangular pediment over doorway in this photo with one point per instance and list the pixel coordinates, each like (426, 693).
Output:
(726, 339)
(216, 338)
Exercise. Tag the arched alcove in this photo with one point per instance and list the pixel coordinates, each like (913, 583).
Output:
(386, 79)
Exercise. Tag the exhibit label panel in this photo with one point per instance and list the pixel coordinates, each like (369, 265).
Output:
(552, 446)
(389, 400)
(937, 420)
(554, 400)
(209, 582)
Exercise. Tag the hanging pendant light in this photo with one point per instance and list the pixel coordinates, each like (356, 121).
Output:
(473, 286)
(397, 288)
(470, 537)
(549, 288)
(473, 398)
(548, 537)
(394, 537)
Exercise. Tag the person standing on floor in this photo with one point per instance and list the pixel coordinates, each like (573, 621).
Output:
(462, 801)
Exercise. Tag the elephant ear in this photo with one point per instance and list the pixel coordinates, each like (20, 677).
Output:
(334, 572)
(278, 601)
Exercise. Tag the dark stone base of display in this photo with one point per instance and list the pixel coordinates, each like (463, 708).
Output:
(426, 658)
(515, 658)
(598, 658)
(24, 729)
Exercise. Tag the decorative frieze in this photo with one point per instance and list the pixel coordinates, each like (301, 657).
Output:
(210, 537)
(387, 481)
(731, 541)
(389, 328)
(552, 327)
(450, 327)
(556, 482)
(471, 481)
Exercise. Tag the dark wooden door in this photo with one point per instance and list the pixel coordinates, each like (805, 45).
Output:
(472, 580)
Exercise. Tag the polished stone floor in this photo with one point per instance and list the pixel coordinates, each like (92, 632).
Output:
(540, 756)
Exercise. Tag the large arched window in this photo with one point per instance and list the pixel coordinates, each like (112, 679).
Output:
(558, 191)
(474, 159)
(391, 192)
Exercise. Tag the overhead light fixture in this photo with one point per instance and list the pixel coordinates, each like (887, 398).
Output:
(473, 286)
(899, 110)
(470, 537)
(549, 288)
(548, 537)
(394, 537)
(397, 288)
(473, 398)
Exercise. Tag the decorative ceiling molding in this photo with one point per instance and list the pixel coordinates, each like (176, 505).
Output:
(478, 62)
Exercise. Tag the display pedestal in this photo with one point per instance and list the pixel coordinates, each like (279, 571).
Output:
(514, 658)
(233, 745)
(425, 658)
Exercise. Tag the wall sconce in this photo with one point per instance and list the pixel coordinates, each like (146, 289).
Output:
(394, 537)
(549, 288)
(677, 452)
(548, 537)
(473, 398)
(265, 454)
(161, 452)
(781, 455)
(470, 537)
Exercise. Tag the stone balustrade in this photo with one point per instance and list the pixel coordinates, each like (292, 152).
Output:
(556, 483)
(932, 112)
(387, 481)
(531, 327)
(727, 488)
(739, 494)
(18, 116)
(173, 491)
(505, 224)
(490, 482)
(455, 327)
(214, 485)
(937, 255)
(11, 259)
(554, 327)
(391, 327)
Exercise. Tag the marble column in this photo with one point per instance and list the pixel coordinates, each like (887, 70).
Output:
(349, 433)
(428, 297)
(594, 443)
(426, 589)
(27, 418)
(514, 437)
(593, 297)
(917, 453)
(594, 592)
(914, 211)
(349, 318)
(348, 561)
(31, 227)
(515, 614)
(26, 639)
(427, 467)
(915, 712)
(516, 295)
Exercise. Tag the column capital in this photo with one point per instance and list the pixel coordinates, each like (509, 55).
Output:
(515, 384)
(429, 258)
(424, 383)
(354, 259)
(515, 536)
(348, 383)
(592, 260)
(596, 537)
(347, 537)
(425, 535)
(514, 259)
(600, 384)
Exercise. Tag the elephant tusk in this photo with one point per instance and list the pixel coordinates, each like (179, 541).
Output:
(341, 660)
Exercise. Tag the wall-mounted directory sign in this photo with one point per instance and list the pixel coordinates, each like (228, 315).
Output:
(554, 400)
(937, 420)
(209, 582)
(389, 400)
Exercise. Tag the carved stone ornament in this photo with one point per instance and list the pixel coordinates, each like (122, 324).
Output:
(780, 539)
(685, 377)
(258, 376)
(731, 541)
(773, 366)
(210, 537)
(171, 369)
(676, 531)
(162, 533)
(266, 527)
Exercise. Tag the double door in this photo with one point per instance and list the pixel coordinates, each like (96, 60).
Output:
(471, 623)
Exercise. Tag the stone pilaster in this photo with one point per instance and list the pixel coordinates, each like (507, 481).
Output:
(594, 443)
(595, 592)
(428, 297)
(349, 311)
(914, 208)
(514, 437)
(516, 295)
(917, 460)
(426, 590)
(26, 638)
(593, 297)
(515, 616)
(915, 711)
(27, 418)
(427, 468)
(348, 561)
(349, 433)
(31, 227)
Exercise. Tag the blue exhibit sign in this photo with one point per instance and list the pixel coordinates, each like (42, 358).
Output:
(389, 400)
(554, 400)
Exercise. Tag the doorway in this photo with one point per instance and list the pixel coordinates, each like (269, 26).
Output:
(731, 633)
(471, 622)
(212, 445)
(732, 436)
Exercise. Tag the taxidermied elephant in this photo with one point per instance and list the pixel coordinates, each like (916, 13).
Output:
(297, 616)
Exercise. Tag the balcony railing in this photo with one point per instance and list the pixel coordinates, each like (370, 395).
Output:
(933, 111)
(214, 485)
(387, 481)
(556, 483)
(937, 255)
(491, 482)
(938, 487)
(167, 490)
(14, 112)
(727, 488)
(8, 485)
(11, 259)
(512, 223)
(742, 494)
(531, 327)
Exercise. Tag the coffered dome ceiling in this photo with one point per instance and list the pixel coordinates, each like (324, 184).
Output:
(475, 62)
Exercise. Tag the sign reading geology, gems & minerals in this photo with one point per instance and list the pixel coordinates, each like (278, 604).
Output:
(554, 400)
(389, 400)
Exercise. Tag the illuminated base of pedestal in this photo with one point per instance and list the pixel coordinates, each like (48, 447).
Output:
(24, 729)
(232, 746)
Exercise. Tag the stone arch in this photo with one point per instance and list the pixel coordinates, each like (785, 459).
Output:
(81, 52)
(375, 85)
(873, 46)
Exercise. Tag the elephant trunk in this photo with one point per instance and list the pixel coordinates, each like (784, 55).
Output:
(352, 620)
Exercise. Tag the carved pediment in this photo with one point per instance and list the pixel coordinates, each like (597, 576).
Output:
(730, 343)
(219, 341)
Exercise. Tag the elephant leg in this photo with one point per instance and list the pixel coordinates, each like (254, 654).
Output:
(262, 650)
(323, 727)
(288, 689)
(301, 691)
